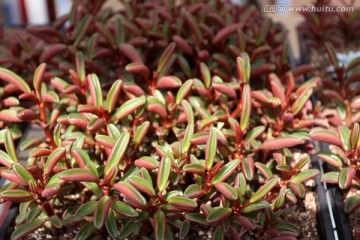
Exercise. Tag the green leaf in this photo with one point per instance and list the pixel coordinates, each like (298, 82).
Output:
(128, 229)
(184, 229)
(254, 207)
(346, 176)
(85, 232)
(81, 31)
(163, 173)
(38, 78)
(117, 152)
(330, 177)
(205, 74)
(130, 192)
(95, 90)
(5, 159)
(83, 160)
(305, 175)
(33, 214)
(182, 202)
(85, 209)
(218, 214)
(246, 107)
(128, 107)
(142, 185)
(27, 228)
(344, 134)
(352, 203)
(254, 133)
(78, 174)
(211, 147)
(227, 190)
(225, 171)
(300, 102)
(188, 111)
(111, 225)
(165, 57)
(113, 95)
(23, 173)
(10, 147)
(14, 79)
(184, 90)
(219, 233)
(141, 132)
(55, 221)
(124, 209)
(265, 189)
(196, 217)
(101, 211)
(159, 225)
(264, 170)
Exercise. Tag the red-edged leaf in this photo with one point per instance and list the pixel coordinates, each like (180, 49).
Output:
(281, 142)
(163, 173)
(227, 190)
(130, 192)
(264, 190)
(14, 79)
(219, 214)
(345, 177)
(325, 136)
(101, 211)
(160, 225)
(246, 107)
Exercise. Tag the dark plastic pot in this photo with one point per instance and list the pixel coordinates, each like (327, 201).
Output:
(333, 222)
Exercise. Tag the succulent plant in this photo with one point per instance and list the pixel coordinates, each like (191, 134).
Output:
(138, 159)
(343, 159)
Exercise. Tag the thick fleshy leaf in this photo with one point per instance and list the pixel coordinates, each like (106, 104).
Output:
(14, 79)
(246, 107)
(168, 82)
(305, 175)
(265, 189)
(264, 170)
(183, 203)
(188, 111)
(128, 107)
(225, 89)
(225, 171)
(184, 229)
(147, 162)
(101, 211)
(163, 173)
(298, 189)
(82, 29)
(205, 74)
(194, 168)
(184, 90)
(330, 158)
(247, 223)
(141, 132)
(78, 175)
(300, 102)
(5, 159)
(196, 217)
(54, 158)
(110, 224)
(281, 142)
(124, 209)
(352, 203)
(27, 228)
(83, 159)
(254, 133)
(95, 90)
(113, 95)
(330, 177)
(344, 134)
(16, 195)
(142, 185)
(247, 166)
(254, 207)
(117, 152)
(302, 162)
(227, 190)
(85, 209)
(165, 57)
(219, 233)
(159, 225)
(10, 147)
(85, 231)
(22, 173)
(345, 177)
(128, 229)
(38, 78)
(325, 136)
(211, 147)
(355, 136)
(218, 214)
(130, 192)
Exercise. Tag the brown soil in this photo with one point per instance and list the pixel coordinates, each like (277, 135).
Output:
(354, 217)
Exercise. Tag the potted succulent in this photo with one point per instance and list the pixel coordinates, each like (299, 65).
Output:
(164, 141)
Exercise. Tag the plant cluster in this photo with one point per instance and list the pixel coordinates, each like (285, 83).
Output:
(335, 27)
(164, 137)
